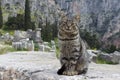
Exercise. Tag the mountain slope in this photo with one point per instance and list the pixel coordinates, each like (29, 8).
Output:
(40, 9)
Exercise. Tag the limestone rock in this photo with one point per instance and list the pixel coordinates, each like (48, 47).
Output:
(113, 57)
(7, 37)
(18, 35)
(43, 66)
(92, 56)
(116, 57)
(106, 57)
(38, 35)
(43, 47)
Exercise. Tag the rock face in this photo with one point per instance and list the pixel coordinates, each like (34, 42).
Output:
(100, 16)
(116, 57)
(6, 37)
(40, 10)
(106, 57)
(113, 58)
(44, 66)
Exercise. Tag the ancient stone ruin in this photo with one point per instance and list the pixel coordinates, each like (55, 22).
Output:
(27, 40)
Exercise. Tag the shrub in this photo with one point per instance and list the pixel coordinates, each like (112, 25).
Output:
(6, 49)
(16, 23)
(1, 16)
(36, 47)
(91, 39)
(49, 32)
(110, 49)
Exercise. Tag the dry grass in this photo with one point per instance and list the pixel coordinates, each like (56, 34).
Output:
(6, 48)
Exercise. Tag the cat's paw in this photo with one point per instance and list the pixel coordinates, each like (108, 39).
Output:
(84, 71)
(70, 73)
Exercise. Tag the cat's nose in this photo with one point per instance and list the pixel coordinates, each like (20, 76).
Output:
(68, 28)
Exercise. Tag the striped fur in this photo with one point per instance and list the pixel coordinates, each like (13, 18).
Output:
(73, 55)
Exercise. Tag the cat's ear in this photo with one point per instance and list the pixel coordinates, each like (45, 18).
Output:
(63, 16)
(76, 19)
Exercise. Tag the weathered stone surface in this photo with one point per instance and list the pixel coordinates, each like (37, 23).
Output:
(30, 46)
(19, 35)
(113, 57)
(24, 39)
(24, 44)
(116, 57)
(106, 57)
(38, 35)
(43, 47)
(92, 56)
(53, 47)
(6, 37)
(43, 66)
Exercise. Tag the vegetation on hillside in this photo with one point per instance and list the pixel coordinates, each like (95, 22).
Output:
(49, 32)
(2, 32)
(20, 21)
(91, 39)
(1, 17)
(110, 49)
(16, 23)
(4, 48)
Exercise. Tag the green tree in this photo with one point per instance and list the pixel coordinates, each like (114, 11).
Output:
(91, 39)
(15, 23)
(1, 17)
(54, 30)
(49, 31)
(110, 48)
(28, 16)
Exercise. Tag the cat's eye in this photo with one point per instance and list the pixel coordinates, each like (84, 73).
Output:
(64, 58)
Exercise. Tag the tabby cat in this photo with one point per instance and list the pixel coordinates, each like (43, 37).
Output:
(73, 54)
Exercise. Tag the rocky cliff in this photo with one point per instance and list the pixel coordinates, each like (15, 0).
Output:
(41, 10)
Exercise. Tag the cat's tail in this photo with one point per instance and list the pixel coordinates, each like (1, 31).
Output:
(61, 70)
